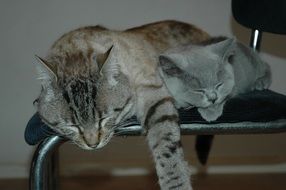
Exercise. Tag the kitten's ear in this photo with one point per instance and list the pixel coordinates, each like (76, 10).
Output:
(45, 71)
(225, 49)
(169, 64)
(109, 67)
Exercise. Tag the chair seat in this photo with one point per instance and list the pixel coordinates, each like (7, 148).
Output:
(254, 112)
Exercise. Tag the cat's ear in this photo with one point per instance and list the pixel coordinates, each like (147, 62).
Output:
(230, 51)
(46, 74)
(108, 66)
(225, 49)
(169, 64)
(101, 59)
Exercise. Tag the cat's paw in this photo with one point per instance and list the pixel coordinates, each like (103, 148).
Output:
(262, 83)
(211, 113)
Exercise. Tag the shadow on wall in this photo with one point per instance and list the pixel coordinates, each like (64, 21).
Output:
(274, 44)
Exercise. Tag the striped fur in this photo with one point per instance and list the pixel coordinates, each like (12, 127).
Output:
(93, 78)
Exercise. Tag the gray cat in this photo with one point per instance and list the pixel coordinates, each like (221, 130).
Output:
(206, 75)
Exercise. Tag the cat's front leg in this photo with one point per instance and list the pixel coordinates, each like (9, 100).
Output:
(160, 118)
(172, 170)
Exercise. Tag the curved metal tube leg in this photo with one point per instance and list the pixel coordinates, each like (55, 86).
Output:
(39, 179)
(53, 170)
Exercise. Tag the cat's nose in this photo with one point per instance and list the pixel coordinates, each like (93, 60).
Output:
(212, 97)
(213, 100)
(91, 137)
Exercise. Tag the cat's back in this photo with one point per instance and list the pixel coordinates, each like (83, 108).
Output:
(161, 35)
(78, 39)
(168, 34)
(137, 48)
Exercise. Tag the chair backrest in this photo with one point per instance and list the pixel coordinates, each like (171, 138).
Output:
(262, 15)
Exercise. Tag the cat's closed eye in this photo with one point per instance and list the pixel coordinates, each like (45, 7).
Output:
(201, 91)
(76, 127)
(218, 85)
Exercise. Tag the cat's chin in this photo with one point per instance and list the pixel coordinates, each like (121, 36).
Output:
(86, 147)
(82, 144)
(211, 113)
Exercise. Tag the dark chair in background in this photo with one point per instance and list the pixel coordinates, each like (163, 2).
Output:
(253, 113)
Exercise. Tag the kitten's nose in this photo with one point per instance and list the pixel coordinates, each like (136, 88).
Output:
(213, 100)
(212, 97)
(91, 137)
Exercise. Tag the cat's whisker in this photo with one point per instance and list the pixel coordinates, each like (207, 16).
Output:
(119, 133)
(115, 141)
(46, 131)
(71, 143)
(73, 125)
(189, 107)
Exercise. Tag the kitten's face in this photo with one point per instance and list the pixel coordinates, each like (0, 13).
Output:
(208, 85)
(198, 77)
(84, 109)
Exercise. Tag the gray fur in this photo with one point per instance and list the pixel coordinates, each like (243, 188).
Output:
(207, 75)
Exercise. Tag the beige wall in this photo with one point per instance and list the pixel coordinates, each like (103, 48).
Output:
(29, 27)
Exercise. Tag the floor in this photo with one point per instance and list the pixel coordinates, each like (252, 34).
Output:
(211, 182)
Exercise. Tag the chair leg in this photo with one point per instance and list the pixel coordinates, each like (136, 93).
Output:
(42, 164)
(53, 170)
(203, 147)
(255, 39)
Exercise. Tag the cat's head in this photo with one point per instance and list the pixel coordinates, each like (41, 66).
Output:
(83, 98)
(199, 75)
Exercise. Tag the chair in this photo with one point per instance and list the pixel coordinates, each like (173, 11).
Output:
(252, 113)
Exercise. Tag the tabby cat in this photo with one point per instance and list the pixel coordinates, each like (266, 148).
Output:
(206, 75)
(93, 78)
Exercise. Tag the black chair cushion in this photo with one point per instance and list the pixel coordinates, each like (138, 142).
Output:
(254, 112)
(263, 15)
